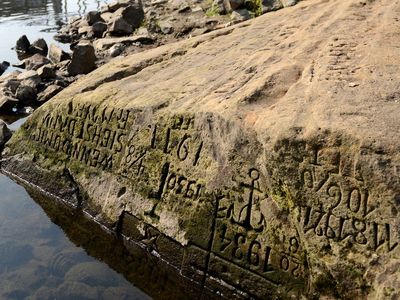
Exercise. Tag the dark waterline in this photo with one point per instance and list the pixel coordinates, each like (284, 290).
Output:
(38, 260)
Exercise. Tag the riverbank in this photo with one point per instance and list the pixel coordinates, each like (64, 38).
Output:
(116, 30)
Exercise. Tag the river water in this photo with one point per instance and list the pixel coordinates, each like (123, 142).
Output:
(38, 259)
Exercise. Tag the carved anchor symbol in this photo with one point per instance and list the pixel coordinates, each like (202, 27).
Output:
(247, 209)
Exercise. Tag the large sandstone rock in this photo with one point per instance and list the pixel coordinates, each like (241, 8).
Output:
(260, 160)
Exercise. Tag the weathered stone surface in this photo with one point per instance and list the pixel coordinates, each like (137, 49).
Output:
(245, 157)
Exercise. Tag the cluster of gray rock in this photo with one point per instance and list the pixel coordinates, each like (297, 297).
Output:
(47, 70)
(120, 18)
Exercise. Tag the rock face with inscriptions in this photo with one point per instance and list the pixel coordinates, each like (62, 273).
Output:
(260, 160)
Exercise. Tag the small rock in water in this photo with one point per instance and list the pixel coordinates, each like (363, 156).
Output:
(22, 47)
(4, 66)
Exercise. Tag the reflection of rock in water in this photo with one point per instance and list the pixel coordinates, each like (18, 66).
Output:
(91, 273)
(139, 267)
(77, 290)
(63, 261)
(13, 254)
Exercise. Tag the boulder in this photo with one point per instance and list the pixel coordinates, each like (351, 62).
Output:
(93, 17)
(5, 133)
(83, 60)
(3, 67)
(85, 30)
(116, 50)
(132, 14)
(107, 16)
(64, 38)
(231, 5)
(28, 75)
(271, 5)
(47, 72)
(240, 15)
(26, 94)
(114, 6)
(57, 55)
(98, 29)
(7, 103)
(260, 160)
(22, 47)
(118, 26)
(11, 84)
(39, 46)
(35, 62)
(30, 78)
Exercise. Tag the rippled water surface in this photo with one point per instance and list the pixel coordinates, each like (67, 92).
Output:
(37, 259)
(36, 19)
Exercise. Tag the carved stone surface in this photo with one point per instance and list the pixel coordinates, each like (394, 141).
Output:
(259, 160)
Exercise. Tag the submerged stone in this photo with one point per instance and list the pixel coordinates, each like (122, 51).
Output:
(242, 157)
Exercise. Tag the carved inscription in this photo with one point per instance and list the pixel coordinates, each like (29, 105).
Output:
(90, 135)
(243, 235)
(341, 206)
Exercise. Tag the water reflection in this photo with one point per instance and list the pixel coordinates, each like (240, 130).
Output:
(37, 261)
(54, 268)
(57, 10)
